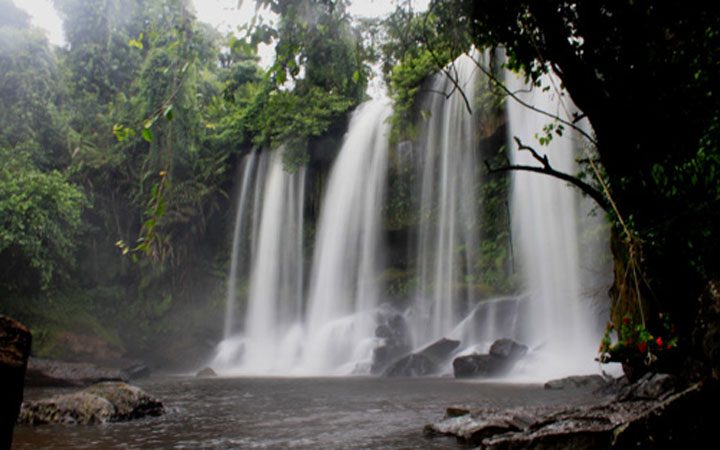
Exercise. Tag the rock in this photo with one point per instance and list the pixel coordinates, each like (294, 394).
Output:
(136, 370)
(100, 403)
(48, 372)
(667, 420)
(578, 381)
(427, 361)
(393, 331)
(706, 334)
(412, 365)
(130, 402)
(456, 412)
(206, 372)
(504, 353)
(508, 349)
(441, 350)
(15, 341)
(651, 386)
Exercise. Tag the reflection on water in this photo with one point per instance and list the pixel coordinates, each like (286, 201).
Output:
(335, 413)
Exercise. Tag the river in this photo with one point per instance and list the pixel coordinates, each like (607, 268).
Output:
(279, 413)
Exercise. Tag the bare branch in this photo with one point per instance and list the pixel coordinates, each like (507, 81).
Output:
(546, 169)
(512, 94)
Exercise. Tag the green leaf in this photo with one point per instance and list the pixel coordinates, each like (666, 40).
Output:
(147, 134)
(169, 113)
(137, 44)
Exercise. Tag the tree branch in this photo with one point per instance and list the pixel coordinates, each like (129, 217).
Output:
(546, 169)
(513, 95)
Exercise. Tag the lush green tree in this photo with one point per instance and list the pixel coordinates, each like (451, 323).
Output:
(40, 222)
(29, 91)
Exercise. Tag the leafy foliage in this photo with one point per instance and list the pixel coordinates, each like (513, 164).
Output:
(40, 221)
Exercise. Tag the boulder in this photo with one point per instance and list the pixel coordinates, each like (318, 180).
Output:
(578, 381)
(206, 372)
(428, 361)
(412, 365)
(394, 335)
(15, 342)
(508, 349)
(100, 403)
(49, 372)
(504, 353)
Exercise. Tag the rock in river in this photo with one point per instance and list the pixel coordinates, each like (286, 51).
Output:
(503, 355)
(100, 403)
(428, 361)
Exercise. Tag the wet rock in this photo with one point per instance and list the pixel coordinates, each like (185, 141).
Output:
(206, 372)
(130, 402)
(667, 420)
(456, 412)
(508, 349)
(393, 331)
(504, 354)
(136, 370)
(650, 387)
(441, 350)
(578, 381)
(100, 403)
(15, 342)
(428, 361)
(48, 372)
(413, 365)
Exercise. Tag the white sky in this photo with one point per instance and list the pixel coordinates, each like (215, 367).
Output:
(223, 14)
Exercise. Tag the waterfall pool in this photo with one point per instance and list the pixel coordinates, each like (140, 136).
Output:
(280, 413)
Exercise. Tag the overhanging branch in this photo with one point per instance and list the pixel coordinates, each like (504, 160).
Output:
(547, 169)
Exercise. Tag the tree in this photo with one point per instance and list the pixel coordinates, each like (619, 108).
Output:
(40, 221)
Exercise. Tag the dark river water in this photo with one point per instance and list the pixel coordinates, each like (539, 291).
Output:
(279, 413)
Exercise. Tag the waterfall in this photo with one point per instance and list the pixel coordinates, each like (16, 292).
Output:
(549, 217)
(320, 315)
(448, 205)
(274, 305)
(247, 171)
(344, 286)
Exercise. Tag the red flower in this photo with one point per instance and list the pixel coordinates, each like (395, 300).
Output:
(642, 347)
(626, 320)
(659, 342)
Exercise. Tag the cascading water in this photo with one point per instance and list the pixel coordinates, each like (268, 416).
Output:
(248, 169)
(330, 325)
(344, 289)
(274, 307)
(448, 205)
(548, 219)
(334, 332)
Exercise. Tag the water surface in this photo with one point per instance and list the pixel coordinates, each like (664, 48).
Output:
(277, 413)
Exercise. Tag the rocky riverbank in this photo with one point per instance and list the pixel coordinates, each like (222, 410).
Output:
(653, 412)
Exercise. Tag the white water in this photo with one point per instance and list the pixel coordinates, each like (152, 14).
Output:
(274, 305)
(248, 169)
(334, 332)
(344, 286)
(548, 219)
(448, 207)
(328, 326)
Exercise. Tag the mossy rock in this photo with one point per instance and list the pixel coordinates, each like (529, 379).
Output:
(100, 403)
